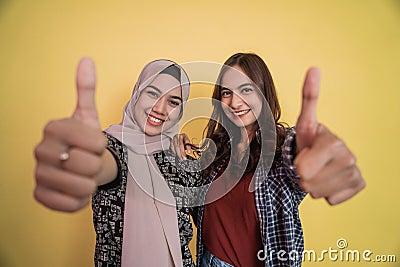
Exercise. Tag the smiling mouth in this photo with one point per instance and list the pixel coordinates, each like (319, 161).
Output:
(241, 112)
(154, 121)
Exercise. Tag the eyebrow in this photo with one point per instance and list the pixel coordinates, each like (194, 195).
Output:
(176, 97)
(246, 84)
(240, 86)
(159, 91)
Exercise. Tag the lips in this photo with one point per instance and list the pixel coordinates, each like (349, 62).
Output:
(241, 112)
(152, 120)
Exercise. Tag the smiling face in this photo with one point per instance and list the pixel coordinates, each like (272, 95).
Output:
(241, 101)
(158, 106)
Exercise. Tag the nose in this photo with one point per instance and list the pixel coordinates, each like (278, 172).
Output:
(160, 107)
(236, 101)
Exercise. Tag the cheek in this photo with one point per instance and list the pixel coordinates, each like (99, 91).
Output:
(143, 104)
(225, 106)
(257, 111)
(225, 100)
(255, 104)
(136, 112)
(173, 114)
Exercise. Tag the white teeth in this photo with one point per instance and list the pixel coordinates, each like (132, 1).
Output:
(241, 112)
(155, 119)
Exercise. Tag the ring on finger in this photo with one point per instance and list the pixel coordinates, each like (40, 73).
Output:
(64, 156)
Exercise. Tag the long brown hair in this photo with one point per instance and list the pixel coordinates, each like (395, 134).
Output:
(256, 69)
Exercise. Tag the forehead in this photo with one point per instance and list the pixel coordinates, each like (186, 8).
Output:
(234, 77)
(167, 84)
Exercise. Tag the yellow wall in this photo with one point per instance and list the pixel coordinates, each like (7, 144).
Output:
(355, 43)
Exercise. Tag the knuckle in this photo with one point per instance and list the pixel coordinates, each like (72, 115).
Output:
(360, 182)
(37, 195)
(354, 174)
(92, 187)
(336, 145)
(351, 159)
(346, 156)
(84, 202)
(41, 176)
(73, 206)
(38, 174)
(50, 127)
(101, 142)
(86, 191)
(354, 158)
(38, 152)
(314, 195)
(305, 185)
(78, 204)
(332, 201)
(363, 184)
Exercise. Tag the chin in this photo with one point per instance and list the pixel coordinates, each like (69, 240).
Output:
(152, 132)
(241, 124)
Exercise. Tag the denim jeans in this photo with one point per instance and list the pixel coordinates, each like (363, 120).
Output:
(209, 260)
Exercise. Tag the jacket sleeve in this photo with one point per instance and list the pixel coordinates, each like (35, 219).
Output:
(119, 152)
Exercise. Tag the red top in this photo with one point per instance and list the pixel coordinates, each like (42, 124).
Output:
(231, 229)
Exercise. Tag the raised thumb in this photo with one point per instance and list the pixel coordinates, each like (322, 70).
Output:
(85, 110)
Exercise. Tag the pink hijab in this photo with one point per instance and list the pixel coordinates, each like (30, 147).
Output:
(128, 131)
(151, 236)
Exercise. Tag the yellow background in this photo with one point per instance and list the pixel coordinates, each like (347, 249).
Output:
(355, 43)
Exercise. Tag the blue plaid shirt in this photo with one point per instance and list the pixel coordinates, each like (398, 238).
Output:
(277, 197)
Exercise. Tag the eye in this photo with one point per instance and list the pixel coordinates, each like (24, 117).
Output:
(226, 93)
(246, 90)
(174, 103)
(152, 93)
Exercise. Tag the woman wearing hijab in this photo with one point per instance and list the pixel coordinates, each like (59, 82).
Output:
(261, 170)
(136, 216)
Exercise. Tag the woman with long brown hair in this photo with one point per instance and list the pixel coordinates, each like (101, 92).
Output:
(250, 214)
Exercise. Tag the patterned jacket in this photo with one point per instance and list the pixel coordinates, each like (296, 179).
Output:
(108, 204)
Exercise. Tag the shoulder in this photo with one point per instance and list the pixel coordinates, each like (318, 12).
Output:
(290, 137)
(289, 145)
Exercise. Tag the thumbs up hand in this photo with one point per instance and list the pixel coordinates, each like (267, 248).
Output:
(326, 166)
(71, 153)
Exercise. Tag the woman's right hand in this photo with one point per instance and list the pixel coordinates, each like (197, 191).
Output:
(71, 159)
